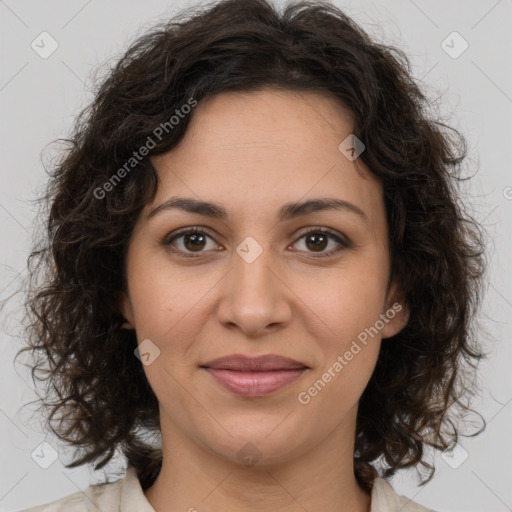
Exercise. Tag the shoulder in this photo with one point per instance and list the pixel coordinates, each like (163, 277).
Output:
(72, 503)
(385, 499)
(105, 497)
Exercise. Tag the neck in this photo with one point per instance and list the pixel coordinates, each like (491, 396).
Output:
(193, 478)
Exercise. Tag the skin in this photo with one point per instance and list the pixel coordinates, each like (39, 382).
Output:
(251, 153)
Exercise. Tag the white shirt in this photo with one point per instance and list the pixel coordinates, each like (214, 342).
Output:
(126, 495)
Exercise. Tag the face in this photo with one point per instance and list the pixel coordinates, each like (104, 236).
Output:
(253, 282)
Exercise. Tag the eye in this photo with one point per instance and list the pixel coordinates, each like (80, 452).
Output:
(317, 239)
(191, 242)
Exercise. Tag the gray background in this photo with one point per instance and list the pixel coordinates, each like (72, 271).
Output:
(40, 97)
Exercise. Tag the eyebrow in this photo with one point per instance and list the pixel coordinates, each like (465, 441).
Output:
(286, 212)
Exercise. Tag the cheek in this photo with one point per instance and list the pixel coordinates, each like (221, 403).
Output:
(163, 296)
(348, 340)
(171, 309)
(347, 302)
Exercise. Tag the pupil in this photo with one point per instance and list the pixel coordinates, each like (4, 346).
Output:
(317, 243)
(194, 237)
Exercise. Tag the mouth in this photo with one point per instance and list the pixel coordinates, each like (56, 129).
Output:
(255, 384)
(254, 377)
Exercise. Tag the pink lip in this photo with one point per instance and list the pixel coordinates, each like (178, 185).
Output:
(255, 384)
(265, 363)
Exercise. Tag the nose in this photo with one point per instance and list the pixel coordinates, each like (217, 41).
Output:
(255, 297)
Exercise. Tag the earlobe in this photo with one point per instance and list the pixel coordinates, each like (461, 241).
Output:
(397, 322)
(396, 313)
(127, 325)
(126, 310)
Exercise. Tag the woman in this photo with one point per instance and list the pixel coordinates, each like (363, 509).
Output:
(256, 250)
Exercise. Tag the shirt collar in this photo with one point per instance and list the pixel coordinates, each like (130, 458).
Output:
(132, 495)
(383, 497)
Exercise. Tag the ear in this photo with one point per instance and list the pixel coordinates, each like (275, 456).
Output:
(396, 312)
(126, 309)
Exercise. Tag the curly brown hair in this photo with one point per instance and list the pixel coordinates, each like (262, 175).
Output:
(97, 396)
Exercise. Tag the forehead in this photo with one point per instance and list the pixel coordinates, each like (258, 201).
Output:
(269, 117)
(253, 151)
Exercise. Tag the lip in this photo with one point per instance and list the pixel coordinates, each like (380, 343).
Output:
(255, 384)
(265, 363)
(252, 377)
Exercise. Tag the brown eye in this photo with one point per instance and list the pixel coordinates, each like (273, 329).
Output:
(194, 241)
(190, 241)
(316, 240)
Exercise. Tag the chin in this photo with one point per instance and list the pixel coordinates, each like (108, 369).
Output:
(257, 445)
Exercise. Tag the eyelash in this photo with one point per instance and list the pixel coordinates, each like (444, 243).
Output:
(196, 230)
